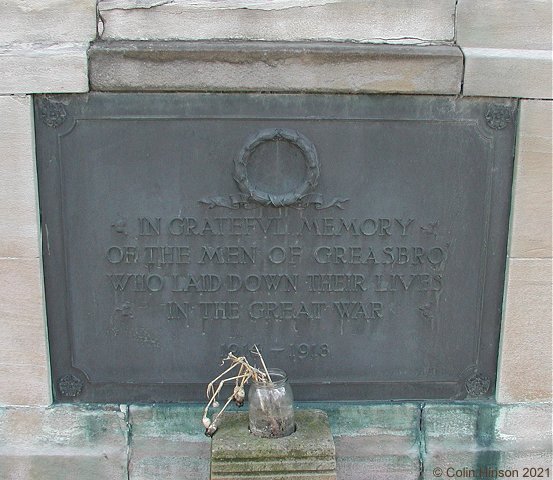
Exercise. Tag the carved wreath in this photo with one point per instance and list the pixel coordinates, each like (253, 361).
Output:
(277, 199)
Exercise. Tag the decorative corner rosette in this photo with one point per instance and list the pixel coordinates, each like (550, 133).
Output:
(252, 196)
(477, 385)
(498, 116)
(52, 113)
(70, 385)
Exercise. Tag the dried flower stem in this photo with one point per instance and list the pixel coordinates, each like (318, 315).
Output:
(258, 353)
(245, 372)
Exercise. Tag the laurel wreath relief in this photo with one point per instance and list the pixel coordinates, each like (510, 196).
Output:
(253, 197)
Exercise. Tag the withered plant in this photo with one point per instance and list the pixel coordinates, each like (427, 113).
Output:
(239, 372)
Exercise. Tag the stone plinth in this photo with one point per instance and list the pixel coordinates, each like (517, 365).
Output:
(308, 453)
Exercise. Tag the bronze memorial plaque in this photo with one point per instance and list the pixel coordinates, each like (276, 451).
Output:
(359, 240)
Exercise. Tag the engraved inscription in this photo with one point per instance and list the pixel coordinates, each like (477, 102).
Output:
(351, 300)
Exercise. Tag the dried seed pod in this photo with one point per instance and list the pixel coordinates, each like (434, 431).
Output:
(215, 404)
(210, 431)
(239, 395)
(206, 421)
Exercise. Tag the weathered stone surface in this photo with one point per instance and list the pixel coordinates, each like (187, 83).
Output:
(507, 73)
(504, 24)
(24, 384)
(376, 21)
(532, 199)
(168, 442)
(399, 421)
(379, 467)
(308, 453)
(92, 442)
(525, 426)
(485, 436)
(18, 202)
(63, 442)
(48, 21)
(33, 68)
(281, 67)
(376, 439)
(24, 370)
(454, 426)
(524, 372)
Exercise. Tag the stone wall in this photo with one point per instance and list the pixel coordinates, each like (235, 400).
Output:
(496, 48)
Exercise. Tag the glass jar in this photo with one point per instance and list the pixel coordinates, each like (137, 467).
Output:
(271, 406)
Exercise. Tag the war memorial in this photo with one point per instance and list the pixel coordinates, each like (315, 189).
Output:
(358, 191)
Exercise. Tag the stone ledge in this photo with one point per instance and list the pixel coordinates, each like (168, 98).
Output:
(274, 67)
(492, 72)
(36, 68)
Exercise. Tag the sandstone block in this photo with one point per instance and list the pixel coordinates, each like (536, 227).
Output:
(18, 197)
(525, 426)
(524, 24)
(507, 73)
(532, 193)
(378, 440)
(524, 370)
(24, 369)
(24, 384)
(289, 20)
(48, 21)
(485, 438)
(386, 455)
(278, 67)
(168, 442)
(63, 442)
(33, 68)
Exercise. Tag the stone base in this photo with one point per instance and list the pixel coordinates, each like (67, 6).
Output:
(307, 454)
(374, 441)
